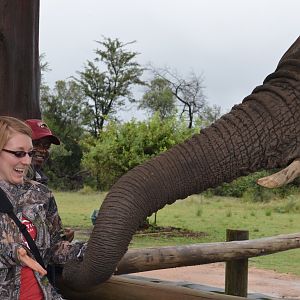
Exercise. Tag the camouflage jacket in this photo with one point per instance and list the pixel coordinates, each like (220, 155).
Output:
(36, 203)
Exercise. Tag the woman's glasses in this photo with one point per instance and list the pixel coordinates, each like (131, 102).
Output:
(20, 154)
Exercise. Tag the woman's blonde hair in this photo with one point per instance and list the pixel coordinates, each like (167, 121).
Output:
(9, 125)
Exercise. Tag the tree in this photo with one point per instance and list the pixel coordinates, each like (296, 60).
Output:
(159, 99)
(64, 107)
(19, 58)
(211, 113)
(107, 80)
(44, 67)
(63, 110)
(188, 92)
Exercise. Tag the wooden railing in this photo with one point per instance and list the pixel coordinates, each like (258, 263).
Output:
(139, 260)
(154, 258)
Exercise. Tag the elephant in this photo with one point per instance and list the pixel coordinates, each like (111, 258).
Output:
(262, 132)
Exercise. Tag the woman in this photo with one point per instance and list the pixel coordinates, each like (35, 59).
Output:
(21, 277)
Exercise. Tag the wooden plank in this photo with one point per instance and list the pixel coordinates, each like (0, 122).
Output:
(121, 288)
(139, 260)
(236, 271)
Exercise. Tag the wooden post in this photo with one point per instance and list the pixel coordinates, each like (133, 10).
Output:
(236, 272)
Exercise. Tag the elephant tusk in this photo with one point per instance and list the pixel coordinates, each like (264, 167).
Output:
(282, 177)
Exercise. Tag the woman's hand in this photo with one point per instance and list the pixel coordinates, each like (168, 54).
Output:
(69, 234)
(26, 260)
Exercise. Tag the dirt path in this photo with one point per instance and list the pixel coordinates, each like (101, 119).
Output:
(269, 283)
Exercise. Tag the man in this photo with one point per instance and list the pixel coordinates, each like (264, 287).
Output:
(42, 138)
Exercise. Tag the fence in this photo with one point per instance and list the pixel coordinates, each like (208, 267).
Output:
(139, 260)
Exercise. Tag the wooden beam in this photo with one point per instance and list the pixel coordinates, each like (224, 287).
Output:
(121, 288)
(139, 260)
(19, 59)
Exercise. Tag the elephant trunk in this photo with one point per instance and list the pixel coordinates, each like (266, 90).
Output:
(262, 132)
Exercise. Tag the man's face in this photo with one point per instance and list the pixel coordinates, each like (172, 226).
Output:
(41, 148)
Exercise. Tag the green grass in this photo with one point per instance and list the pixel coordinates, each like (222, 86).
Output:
(211, 216)
(75, 209)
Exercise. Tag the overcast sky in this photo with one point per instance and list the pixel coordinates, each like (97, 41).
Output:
(234, 44)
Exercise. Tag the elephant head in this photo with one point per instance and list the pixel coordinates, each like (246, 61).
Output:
(262, 132)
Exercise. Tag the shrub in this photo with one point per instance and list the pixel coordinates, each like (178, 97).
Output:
(291, 205)
(121, 147)
(247, 187)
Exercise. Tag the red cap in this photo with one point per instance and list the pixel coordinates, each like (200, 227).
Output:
(40, 130)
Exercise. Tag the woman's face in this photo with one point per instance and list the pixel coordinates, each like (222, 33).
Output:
(13, 168)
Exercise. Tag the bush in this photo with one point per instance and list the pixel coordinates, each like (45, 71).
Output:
(239, 186)
(258, 194)
(121, 147)
(247, 187)
(292, 205)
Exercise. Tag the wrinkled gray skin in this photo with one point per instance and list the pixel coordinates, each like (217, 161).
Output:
(261, 133)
